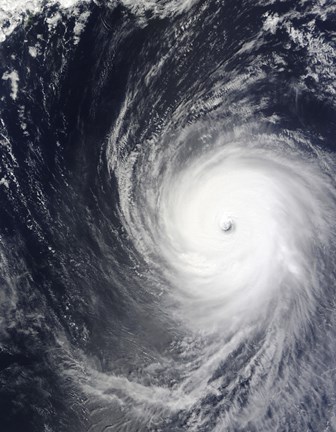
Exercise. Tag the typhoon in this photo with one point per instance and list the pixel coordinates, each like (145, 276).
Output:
(239, 229)
(167, 217)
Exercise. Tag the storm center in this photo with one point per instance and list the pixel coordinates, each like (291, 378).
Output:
(226, 223)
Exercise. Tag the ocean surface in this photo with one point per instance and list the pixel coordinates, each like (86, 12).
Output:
(167, 216)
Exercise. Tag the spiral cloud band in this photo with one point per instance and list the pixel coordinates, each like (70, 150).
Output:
(238, 235)
(168, 216)
(238, 229)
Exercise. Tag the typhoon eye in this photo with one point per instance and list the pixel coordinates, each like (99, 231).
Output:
(226, 223)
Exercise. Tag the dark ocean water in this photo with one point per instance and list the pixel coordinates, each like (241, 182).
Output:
(111, 317)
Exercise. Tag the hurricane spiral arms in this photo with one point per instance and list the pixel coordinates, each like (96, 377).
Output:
(237, 230)
(228, 214)
(237, 236)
